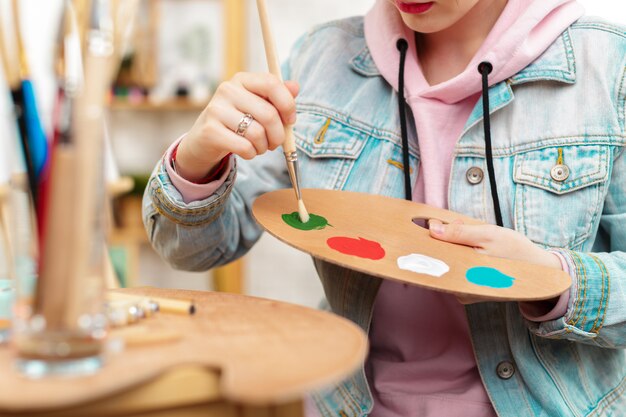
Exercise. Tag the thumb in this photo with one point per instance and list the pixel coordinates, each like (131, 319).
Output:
(456, 233)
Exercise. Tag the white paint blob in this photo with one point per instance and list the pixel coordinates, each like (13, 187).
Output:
(423, 264)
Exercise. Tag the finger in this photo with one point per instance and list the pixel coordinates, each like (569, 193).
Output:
(230, 142)
(474, 236)
(263, 112)
(271, 89)
(255, 133)
(294, 87)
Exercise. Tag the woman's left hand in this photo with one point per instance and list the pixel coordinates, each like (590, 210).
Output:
(494, 241)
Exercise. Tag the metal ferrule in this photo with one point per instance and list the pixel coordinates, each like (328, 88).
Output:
(292, 167)
(100, 36)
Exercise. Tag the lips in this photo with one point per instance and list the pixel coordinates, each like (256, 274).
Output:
(414, 8)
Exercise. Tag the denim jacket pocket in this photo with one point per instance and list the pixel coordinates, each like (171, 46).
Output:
(559, 193)
(328, 150)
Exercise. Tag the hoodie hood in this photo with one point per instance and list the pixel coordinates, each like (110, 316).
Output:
(524, 30)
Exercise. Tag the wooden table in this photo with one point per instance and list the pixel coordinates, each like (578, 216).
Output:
(237, 356)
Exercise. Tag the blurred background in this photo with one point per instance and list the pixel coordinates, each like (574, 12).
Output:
(179, 50)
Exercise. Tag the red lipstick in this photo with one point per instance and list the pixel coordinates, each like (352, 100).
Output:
(414, 8)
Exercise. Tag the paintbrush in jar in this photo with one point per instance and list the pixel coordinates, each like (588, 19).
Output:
(289, 146)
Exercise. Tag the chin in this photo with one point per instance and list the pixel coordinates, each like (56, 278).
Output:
(425, 24)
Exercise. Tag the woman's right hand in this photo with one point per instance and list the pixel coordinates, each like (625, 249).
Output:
(212, 137)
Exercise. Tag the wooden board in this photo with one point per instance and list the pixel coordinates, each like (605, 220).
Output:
(266, 352)
(389, 221)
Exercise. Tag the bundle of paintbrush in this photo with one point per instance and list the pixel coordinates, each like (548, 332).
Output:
(67, 321)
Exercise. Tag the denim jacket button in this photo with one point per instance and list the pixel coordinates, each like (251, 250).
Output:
(505, 370)
(475, 175)
(560, 173)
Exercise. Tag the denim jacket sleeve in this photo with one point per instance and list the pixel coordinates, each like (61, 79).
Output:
(596, 312)
(199, 235)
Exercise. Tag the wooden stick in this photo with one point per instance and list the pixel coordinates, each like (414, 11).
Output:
(166, 305)
(23, 60)
(12, 76)
(274, 64)
(58, 250)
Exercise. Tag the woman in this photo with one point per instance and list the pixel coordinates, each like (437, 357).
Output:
(545, 164)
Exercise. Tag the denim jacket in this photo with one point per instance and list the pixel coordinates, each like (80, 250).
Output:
(568, 107)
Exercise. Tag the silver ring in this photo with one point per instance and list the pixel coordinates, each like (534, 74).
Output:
(244, 124)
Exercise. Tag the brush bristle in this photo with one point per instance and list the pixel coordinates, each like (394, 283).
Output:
(304, 215)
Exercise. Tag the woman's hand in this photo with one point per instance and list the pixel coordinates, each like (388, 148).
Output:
(494, 241)
(213, 136)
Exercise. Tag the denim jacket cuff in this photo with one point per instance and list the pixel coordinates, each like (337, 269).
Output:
(589, 297)
(169, 202)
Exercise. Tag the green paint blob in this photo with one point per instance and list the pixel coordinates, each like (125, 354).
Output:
(315, 222)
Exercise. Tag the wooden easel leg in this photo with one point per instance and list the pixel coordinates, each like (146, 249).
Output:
(293, 409)
(229, 278)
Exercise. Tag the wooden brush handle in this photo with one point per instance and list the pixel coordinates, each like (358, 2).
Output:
(274, 65)
(56, 269)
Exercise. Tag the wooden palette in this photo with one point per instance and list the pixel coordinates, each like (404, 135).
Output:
(389, 222)
(266, 352)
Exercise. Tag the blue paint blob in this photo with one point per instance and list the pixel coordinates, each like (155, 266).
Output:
(489, 277)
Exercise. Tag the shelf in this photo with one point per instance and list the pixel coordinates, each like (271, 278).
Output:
(118, 104)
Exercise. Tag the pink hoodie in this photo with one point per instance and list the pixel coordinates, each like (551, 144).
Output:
(421, 360)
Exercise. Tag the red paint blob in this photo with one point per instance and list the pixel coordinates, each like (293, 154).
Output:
(360, 247)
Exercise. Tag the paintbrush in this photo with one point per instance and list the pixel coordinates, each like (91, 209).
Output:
(17, 96)
(89, 134)
(30, 126)
(166, 305)
(68, 68)
(58, 193)
(289, 146)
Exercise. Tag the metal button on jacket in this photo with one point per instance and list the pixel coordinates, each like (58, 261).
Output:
(475, 175)
(505, 370)
(560, 172)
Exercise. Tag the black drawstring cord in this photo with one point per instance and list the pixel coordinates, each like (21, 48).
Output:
(485, 69)
(403, 46)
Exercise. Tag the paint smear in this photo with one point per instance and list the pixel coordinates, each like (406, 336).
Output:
(489, 277)
(315, 222)
(423, 264)
(360, 247)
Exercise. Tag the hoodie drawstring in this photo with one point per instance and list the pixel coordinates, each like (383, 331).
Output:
(403, 46)
(485, 69)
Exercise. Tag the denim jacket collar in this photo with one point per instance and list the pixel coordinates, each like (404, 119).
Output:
(556, 64)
